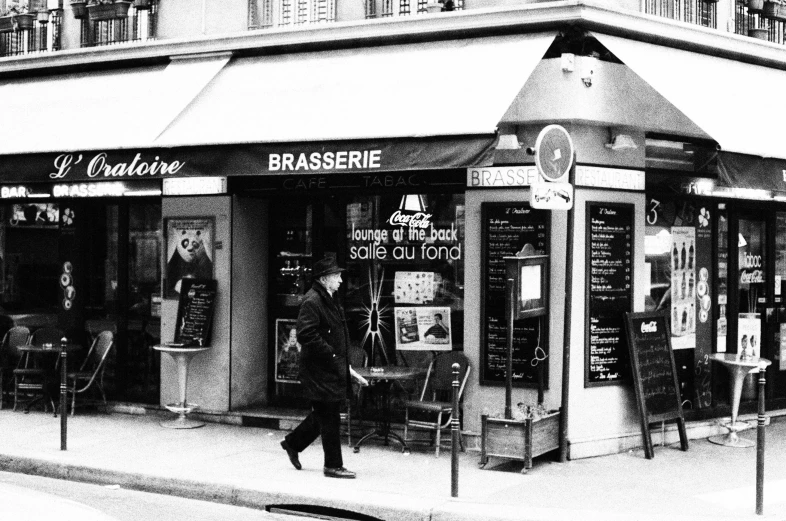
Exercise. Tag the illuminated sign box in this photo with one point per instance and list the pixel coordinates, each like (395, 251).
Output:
(195, 186)
(529, 279)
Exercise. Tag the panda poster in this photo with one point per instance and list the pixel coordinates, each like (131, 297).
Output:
(189, 251)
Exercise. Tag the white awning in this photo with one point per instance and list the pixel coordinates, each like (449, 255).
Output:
(448, 88)
(99, 110)
(725, 98)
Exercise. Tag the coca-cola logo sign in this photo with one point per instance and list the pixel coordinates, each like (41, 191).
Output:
(752, 277)
(649, 327)
(417, 220)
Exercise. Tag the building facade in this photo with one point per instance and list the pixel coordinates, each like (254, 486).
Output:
(243, 140)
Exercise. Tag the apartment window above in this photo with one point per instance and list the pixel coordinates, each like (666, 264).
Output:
(29, 26)
(112, 22)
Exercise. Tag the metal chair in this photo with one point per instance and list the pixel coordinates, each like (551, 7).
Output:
(92, 370)
(439, 384)
(27, 376)
(9, 356)
(357, 358)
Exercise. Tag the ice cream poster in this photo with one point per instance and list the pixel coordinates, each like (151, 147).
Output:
(423, 329)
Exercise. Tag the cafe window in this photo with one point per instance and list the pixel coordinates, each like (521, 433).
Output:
(405, 279)
(29, 235)
(679, 267)
(403, 289)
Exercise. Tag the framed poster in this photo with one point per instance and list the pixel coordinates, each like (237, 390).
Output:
(287, 351)
(423, 329)
(189, 251)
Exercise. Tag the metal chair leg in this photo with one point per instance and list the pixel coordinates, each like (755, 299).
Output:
(406, 423)
(439, 431)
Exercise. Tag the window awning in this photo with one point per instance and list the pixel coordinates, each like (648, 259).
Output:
(445, 88)
(723, 97)
(417, 106)
(99, 110)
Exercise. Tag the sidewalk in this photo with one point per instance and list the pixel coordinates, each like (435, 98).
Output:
(246, 466)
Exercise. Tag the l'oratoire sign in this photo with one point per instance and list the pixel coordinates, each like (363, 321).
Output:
(238, 160)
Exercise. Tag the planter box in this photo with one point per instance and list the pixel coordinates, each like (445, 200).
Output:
(519, 440)
(19, 22)
(759, 33)
(112, 11)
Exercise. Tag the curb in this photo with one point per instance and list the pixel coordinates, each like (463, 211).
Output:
(383, 507)
(387, 507)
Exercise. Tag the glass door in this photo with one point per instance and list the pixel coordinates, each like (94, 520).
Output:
(750, 295)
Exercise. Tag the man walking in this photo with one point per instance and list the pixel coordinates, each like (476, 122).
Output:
(324, 369)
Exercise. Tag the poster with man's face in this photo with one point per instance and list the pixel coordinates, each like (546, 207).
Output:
(423, 328)
(287, 351)
(189, 251)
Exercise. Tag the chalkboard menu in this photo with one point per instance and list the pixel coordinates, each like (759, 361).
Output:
(654, 373)
(195, 312)
(609, 291)
(506, 228)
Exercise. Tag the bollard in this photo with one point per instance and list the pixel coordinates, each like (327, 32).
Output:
(760, 444)
(454, 435)
(63, 400)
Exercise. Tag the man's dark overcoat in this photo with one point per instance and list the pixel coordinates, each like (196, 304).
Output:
(324, 337)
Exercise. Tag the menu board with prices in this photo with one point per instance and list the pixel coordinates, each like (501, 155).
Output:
(506, 228)
(609, 291)
(195, 312)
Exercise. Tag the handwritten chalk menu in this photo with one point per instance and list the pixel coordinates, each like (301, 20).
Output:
(609, 291)
(506, 228)
(654, 373)
(195, 312)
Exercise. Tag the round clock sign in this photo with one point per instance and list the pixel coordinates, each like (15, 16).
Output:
(554, 153)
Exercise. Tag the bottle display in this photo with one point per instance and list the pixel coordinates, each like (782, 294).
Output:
(691, 254)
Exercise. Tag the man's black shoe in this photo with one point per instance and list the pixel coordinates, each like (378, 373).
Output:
(292, 453)
(339, 472)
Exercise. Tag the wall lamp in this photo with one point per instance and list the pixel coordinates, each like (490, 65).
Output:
(620, 141)
(508, 142)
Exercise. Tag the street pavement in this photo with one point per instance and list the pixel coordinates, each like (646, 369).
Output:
(246, 466)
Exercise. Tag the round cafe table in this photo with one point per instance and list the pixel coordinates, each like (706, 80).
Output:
(182, 356)
(738, 369)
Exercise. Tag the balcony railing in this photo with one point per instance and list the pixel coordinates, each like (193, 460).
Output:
(42, 37)
(696, 12)
(758, 25)
(265, 14)
(140, 25)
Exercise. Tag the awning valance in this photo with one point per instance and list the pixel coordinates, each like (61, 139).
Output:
(725, 98)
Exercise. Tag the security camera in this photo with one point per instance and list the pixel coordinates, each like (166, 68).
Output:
(530, 151)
